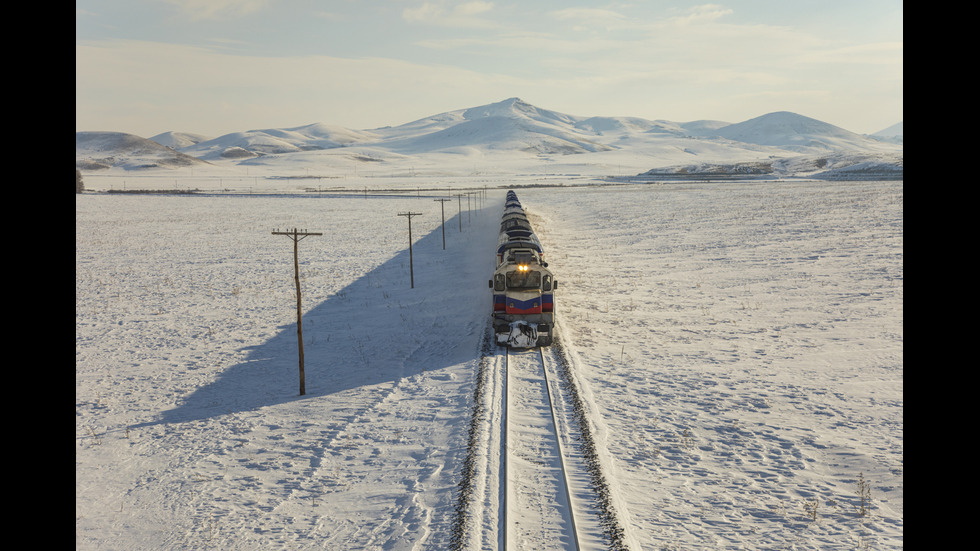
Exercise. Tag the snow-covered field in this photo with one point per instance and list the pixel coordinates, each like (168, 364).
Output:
(740, 346)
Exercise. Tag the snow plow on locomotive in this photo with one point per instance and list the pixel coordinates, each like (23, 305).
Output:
(523, 286)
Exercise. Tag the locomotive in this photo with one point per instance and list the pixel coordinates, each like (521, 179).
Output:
(523, 286)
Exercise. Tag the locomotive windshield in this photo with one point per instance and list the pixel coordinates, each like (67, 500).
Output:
(530, 279)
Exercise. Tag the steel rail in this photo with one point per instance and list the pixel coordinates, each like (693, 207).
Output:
(503, 525)
(561, 451)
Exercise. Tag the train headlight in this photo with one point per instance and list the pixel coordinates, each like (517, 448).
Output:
(522, 267)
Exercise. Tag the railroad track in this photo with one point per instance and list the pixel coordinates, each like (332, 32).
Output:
(532, 479)
(546, 497)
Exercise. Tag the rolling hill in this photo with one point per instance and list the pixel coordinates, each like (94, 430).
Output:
(509, 129)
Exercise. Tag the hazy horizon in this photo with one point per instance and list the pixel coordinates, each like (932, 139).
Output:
(217, 67)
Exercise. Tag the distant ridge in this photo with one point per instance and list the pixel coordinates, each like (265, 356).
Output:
(894, 133)
(100, 150)
(791, 131)
(508, 127)
(277, 141)
(179, 140)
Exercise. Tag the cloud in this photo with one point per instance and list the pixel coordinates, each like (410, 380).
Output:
(199, 10)
(702, 14)
(883, 54)
(473, 8)
(588, 14)
(447, 13)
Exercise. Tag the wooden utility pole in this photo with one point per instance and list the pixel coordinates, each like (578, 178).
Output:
(443, 205)
(411, 268)
(459, 199)
(296, 236)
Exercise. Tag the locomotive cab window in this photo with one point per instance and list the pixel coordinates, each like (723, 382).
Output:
(546, 282)
(498, 283)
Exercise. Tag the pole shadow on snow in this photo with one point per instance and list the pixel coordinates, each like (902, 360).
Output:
(376, 330)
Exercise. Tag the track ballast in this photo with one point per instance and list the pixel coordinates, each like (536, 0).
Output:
(532, 479)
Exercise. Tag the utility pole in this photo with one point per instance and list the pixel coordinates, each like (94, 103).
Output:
(459, 199)
(297, 236)
(411, 268)
(443, 205)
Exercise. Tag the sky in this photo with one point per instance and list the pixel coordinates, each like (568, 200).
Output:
(214, 67)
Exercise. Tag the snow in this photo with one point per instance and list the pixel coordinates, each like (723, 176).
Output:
(738, 345)
(743, 347)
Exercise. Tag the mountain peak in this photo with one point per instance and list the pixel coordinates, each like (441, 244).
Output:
(510, 107)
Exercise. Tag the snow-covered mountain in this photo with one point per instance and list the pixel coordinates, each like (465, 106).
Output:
(102, 150)
(793, 132)
(509, 127)
(179, 140)
(275, 141)
(894, 133)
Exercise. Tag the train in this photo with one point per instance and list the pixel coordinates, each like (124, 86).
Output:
(523, 287)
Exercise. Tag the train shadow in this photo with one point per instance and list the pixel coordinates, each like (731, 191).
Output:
(376, 330)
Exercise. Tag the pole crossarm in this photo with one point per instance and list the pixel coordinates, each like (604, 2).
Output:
(296, 234)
